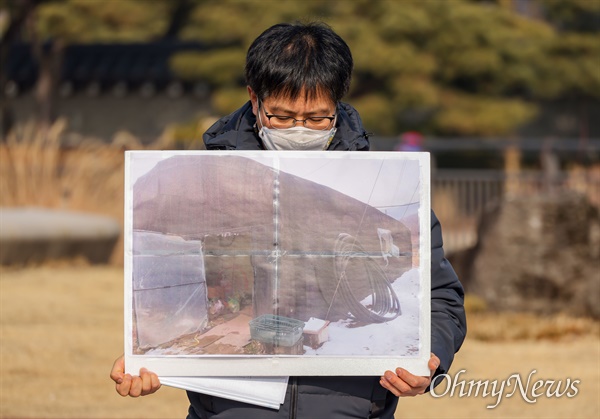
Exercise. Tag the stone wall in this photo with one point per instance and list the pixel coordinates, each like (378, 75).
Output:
(539, 254)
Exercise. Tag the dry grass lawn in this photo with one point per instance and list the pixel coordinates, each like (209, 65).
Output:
(61, 328)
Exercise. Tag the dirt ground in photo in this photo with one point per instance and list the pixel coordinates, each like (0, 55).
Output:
(62, 328)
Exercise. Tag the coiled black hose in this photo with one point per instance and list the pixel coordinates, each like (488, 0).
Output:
(386, 305)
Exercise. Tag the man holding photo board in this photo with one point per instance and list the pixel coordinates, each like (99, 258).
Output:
(296, 76)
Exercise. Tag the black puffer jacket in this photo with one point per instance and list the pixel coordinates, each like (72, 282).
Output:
(339, 397)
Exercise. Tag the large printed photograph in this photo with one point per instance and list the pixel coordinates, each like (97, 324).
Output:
(294, 255)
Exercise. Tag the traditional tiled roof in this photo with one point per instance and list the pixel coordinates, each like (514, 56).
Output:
(101, 66)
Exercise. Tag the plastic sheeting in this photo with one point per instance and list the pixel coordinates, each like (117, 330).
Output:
(169, 288)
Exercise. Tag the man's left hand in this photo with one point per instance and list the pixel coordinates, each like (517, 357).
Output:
(405, 384)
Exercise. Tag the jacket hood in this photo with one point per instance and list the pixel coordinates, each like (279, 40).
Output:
(237, 131)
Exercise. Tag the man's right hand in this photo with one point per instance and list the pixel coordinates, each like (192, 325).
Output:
(127, 385)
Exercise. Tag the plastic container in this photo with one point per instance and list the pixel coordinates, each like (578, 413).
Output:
(276, 330)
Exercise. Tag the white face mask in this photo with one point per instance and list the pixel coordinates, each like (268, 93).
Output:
(297, 138)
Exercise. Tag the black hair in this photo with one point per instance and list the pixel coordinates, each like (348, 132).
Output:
(288, 59)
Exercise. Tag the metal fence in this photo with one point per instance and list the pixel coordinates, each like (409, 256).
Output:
(459, 197)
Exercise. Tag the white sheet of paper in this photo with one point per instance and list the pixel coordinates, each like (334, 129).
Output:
(262, 391)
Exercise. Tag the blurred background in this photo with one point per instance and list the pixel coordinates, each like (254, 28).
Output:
(504, 94)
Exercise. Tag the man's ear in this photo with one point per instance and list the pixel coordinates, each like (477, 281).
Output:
(253, 99)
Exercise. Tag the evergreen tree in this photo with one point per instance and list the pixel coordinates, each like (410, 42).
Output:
(460, 67)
